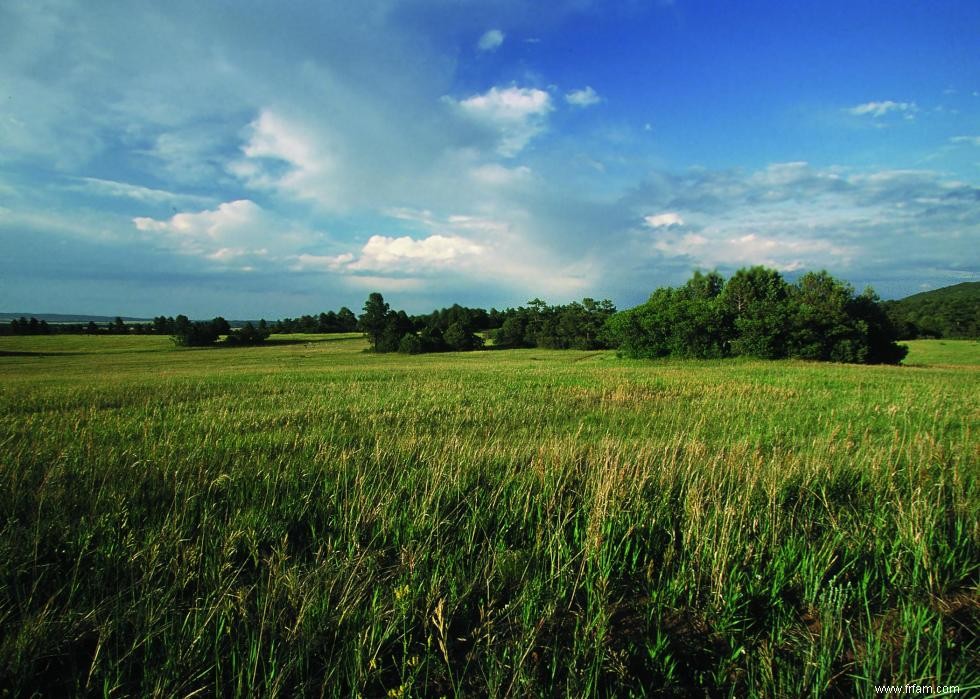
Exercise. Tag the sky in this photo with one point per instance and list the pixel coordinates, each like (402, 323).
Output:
(260, 159)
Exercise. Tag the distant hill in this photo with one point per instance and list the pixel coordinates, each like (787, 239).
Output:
(953, 311)
(68, 318)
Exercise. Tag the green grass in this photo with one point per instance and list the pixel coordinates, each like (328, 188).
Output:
(308, 518)
(943, 353)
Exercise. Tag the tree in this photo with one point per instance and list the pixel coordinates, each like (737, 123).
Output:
(881, 334)
(755, 302)
(459, 338)
(248, 334)
(346, 320)
(374, 319)
(397, 325)
(646, 330)
(194, 334)
(820, 326)
(512, 332)
(410, 344)
(698, 327)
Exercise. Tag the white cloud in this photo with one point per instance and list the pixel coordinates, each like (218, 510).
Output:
(664, 220)
(233, 231)
(880, 109)
(515, 114)
(491, 40)
(405, 254)
(586, 97)
(280, 154)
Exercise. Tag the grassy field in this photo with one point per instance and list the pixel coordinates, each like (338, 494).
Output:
(308, 518)
(943, 353)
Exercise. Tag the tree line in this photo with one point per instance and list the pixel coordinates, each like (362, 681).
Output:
(459, 329)
(754, 313)
(33, 326)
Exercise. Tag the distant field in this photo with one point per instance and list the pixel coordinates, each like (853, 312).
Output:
(943, 353)
(305, 517)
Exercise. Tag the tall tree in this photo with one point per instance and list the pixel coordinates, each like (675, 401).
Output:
(755, 302)
(374, 319)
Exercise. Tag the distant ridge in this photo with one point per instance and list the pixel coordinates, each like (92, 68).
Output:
(952, 311)
(68, 318)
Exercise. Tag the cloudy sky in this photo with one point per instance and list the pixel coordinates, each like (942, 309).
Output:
(272, 159)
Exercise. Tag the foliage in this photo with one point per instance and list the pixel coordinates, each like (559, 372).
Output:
(953, 311)
(373, 320)
(307, 520)
(248, 334)
(571, 326)
(188, 333)
(342, 321)
(757, 313)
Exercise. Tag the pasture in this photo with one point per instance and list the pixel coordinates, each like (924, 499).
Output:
(307, 517)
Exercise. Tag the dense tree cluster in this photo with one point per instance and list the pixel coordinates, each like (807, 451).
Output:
(198, 333)
(757, 313)
(571, 326)
(458, 329)
(342, 321)
(451, 329)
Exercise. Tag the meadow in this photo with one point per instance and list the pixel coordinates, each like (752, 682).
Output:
(305, 517)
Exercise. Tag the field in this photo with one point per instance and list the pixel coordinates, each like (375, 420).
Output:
(308, 518)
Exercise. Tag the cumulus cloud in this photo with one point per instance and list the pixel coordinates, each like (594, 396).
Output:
(491, 40)
(586, 97)
(405, 254)
(234, 231)
(515, 114)
(880, 109)
(280, 154)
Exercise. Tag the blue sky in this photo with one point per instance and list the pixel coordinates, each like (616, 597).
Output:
(273, 159)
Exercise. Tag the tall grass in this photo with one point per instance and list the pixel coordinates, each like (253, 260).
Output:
(308, 518)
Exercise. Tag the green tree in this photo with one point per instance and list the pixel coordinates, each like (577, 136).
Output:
(755, 302)
(374, 319)
(397, 324)
(459, 338)
(410, 344)
(248, 334)
(820, 326)
(346, 320)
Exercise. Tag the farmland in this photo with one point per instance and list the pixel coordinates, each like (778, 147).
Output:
(307, 517)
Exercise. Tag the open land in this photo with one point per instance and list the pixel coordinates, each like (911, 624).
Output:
(307, 517)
